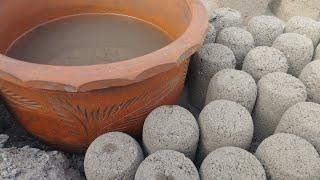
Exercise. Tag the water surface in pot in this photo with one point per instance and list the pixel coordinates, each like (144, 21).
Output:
(88, 39)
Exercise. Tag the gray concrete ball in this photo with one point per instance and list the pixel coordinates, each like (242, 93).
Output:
(289, 157)
(112, 156)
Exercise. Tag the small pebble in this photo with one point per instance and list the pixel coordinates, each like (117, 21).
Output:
(277, 92)
(297, 48)
(225, 17)
(263, 60)
(265, 29)
(310, 76)
(289, 157)
(112, 156)
(205, 64)
(172, 128)
(167, 165)
(231, 163)
(302, 119)
(305, 26)
(233, 85)
(238, 40)
(224, 123)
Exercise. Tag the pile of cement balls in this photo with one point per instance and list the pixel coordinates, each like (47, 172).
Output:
(251, 112)
(254, 85)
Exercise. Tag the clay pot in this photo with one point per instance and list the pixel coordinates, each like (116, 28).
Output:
(69, 107)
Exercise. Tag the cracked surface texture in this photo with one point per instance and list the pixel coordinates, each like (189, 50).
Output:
(233, 85)
(289, 157)
(231, 163)
(167, 165)
(224, 123)
(113, 156)
(29, 163)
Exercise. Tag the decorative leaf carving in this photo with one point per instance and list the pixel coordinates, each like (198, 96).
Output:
(20, 100)
(93, 122)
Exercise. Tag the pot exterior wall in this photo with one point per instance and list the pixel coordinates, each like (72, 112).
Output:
(71, 121)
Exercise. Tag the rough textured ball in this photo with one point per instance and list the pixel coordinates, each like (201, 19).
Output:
(310, 76)
(277, 92)
(233, 85)
(263, 60)
(304, 26)
(298, 50)
(289, 157)
(238, 40)
(224, 123)
(113, 156)
(205, 64)
(167, 164)
(285, 9)
(265, 29)
(171, 127)
(302, 119)
(211, 35)
(231, 163)
(225, 17)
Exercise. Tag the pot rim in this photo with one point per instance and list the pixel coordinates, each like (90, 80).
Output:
(100, 76)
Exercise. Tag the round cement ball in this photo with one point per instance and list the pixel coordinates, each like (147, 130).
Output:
(285, 9)
(233, 85)
(277, 92)
(231, 163)
(310, 76)
(298, 50)
(112, 156)
(263, 60)
(302, 119)
(224, 123)
(167, 164)
(238, 40)
(289, 157)
(171, 127)
(211, 35)
(304, 26)
(265, 29)
(225, 17)
(205, 64)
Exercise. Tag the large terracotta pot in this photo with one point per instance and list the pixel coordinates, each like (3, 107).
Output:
(68, 107)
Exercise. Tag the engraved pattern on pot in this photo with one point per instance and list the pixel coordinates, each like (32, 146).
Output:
(16, 99)
(91, 118)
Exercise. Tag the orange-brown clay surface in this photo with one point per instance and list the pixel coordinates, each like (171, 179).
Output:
(69, 106)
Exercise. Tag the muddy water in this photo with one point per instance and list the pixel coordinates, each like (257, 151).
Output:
(88, 39)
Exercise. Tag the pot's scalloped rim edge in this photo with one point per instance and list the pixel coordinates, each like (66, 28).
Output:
(94, 77)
